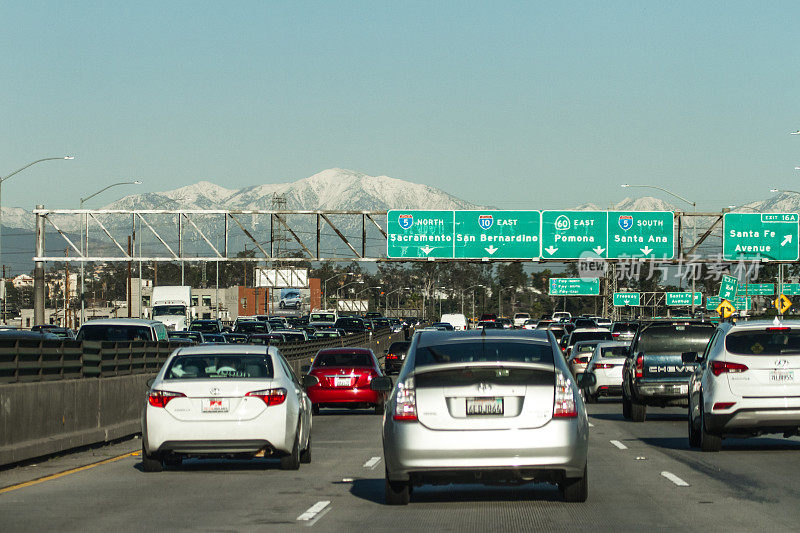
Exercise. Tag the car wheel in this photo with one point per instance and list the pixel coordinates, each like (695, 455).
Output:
(397, 492)
(151, 463)
(638, 411)
(589, 397)
(708, 442)
(305, 455)
(379, 408)
(281, 305)
(694, 433)
(315, 409)
(626, 407)
(576, 489)
(292, 461)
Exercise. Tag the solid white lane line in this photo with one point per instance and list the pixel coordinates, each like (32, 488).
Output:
(591, 425)
(372, 462)
(313, 511)
(618, 444)
(675, 479)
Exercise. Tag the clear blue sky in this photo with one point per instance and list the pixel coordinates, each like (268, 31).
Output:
(521, 105)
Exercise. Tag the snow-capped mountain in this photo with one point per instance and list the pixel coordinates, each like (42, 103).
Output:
(645, 203)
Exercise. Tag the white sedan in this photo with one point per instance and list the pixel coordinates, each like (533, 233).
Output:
(239, 401)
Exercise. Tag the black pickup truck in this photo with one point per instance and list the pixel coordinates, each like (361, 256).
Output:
(654, 373)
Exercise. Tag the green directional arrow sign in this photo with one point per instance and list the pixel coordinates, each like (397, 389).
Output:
(497, 234)
(727, 287)
(574, 234)
(683, 298)
(790, 289)
(712, 302)
(412, 233)
(621, 299)
(574, 286)
(641, 234)
(756, 236)
(756, 289)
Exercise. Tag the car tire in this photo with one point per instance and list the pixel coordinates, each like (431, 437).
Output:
(151, 463)
(292, 461)
(397, 492)
(708, 441)
(576, 489)
(626, 408)
(694, 433)
(305, 455)
(379, 408)
(315, 409)
(281, 305)
(589, 397)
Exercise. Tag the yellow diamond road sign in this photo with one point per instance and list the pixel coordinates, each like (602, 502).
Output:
(725, 309)
(782, 303)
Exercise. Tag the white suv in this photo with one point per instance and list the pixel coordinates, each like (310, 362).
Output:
(746, 384)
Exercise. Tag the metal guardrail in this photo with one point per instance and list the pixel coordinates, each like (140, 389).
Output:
(27, 360)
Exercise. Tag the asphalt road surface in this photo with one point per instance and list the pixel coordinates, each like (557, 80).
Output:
(641, 476)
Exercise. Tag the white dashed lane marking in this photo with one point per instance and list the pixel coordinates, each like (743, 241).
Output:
(313, 511)
(372, 462)
(675, 479)
(618, 444)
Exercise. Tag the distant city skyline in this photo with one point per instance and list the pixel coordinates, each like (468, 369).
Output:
(512, 104)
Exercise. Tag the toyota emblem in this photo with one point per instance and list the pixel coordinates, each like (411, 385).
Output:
(214, 391)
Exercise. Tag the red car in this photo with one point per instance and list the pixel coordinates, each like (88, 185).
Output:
(344, 377)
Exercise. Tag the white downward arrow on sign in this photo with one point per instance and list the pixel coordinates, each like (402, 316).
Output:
(491, 249)
(426, 249)
(787, 239)
(599, 250)
(646, 250)
(551, 250)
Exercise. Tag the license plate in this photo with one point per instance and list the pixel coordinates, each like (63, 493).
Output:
(339, 381)
(484, 406)
(215, 405)
(781, 376)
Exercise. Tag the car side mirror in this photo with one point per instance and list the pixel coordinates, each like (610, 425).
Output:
(381, 384)
(587, 380)
(304, 369)
(310, 381)
(689, 357)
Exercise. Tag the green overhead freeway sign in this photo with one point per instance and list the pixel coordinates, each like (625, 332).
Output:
(574, 286)
(621, 299)
(641, 234)
(790, 289)
(683, 298)
(574, 234)
(756, 236)
(743, 303)
(727, 287)
(412, 233)
(497, 234)
(756, 289)
(712, 302)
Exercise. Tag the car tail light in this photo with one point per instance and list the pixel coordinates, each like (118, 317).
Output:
(391, 356)
(779, 329)
(723, 405)
(614, 334)
(564, 402)
(269, 396)
(160, 398)
(405, 405)
(639, 365)
(604, 366)
(722, 367)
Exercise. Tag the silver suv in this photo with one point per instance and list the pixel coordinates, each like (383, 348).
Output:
(746, 384)
(484, 406)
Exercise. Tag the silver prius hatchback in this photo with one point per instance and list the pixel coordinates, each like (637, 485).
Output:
(484, 406)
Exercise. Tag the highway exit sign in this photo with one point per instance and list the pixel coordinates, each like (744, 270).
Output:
(641, 234)
(622, 299)
(497, 234)
(683, 298)
(756, 236)
(728, 286)
(574, 286)
(414, 233)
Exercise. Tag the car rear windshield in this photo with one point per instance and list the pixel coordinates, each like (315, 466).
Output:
(585, 347)
(590, 336)
(219, 366)
(357, 322)
(204, 327)
(342, 359)
(674, 338)
(619, 327)
(778, 341)
(115, 333)
(484, 351)
(252, 327)
(399, 347)
(322, 317)
(614, 351)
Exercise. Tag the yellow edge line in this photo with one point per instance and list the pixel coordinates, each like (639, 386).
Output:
(66, 473)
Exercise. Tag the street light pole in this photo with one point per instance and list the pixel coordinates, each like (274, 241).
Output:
(325, 286)
(694, 222)
(2, 179)
(85, 243)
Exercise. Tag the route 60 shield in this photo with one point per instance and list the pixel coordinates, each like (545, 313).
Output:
(405, 221)
(485, 221)
(625, 222)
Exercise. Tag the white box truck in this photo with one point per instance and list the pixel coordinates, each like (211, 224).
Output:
(172, 306)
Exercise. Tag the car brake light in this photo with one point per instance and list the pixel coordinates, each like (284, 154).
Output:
(723, 405)
(391, 356)
(721, 367)
(614, 334)
(564, 402)
(604, 365)
(405, 405)
(779, 329)
(269, 396)
(160, 398)
(639, 365)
